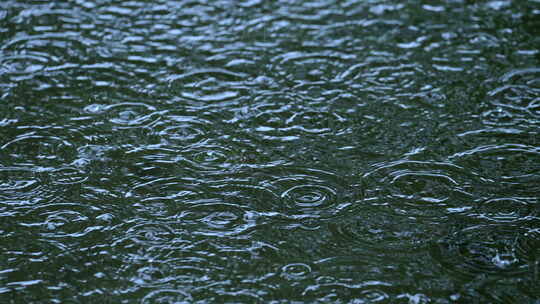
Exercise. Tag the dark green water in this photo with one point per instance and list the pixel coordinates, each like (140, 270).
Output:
(269, 151)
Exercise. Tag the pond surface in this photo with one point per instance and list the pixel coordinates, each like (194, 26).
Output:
(269, 151)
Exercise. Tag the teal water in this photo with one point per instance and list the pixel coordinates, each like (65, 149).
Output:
(269, 151)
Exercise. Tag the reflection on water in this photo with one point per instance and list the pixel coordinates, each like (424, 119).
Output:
(269, 151)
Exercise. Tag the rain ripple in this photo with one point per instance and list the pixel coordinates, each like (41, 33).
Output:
(426, 189)
(183, 131)
(22, 186)
(505, 210)
(208, 87)
(167, 296)
(510, 165)
(27, 56)
(486, 249)
(374, 232)
(328, 289)
(126, 115)
(210, 157)
(18, 185)
(151, 233)
(295, 271)
(165, 189)
(276, 120)
(217, 218)
(40, 145)
(59, 220)
(299, 67)
(43, 49)
(515, 100)
(306, 192)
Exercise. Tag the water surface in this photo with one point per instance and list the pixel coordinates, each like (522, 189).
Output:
(269, 151)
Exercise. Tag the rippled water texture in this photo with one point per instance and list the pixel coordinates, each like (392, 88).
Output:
(269, 151)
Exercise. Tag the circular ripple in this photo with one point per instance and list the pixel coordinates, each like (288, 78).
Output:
(314, 122)
(21, 67)
(192, 266)
(214, 86)
(42, 55)
(172, 188)
(42, 149)
(306, 191)
(534, 108)
(151, 234)
(309, 196)
(508, 163)
(23, 186)
(16, 183)
(482, 249)
(244, 186)
(183, 133)
(60, 220)
(333, 292)
(428, 186)
(373, 230)
(279, 121)
(167, 296)
(424, 189)
(295, 271)
(132, 115)
(215, 218)
(514, 101)
(151, 276)
(272, 121)
(68, 176)
(95, 108)
(503, 210)
(502, 117)
(527, 247)
(184, 130)
(299, 66)
(88, 153)
(211, 157)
